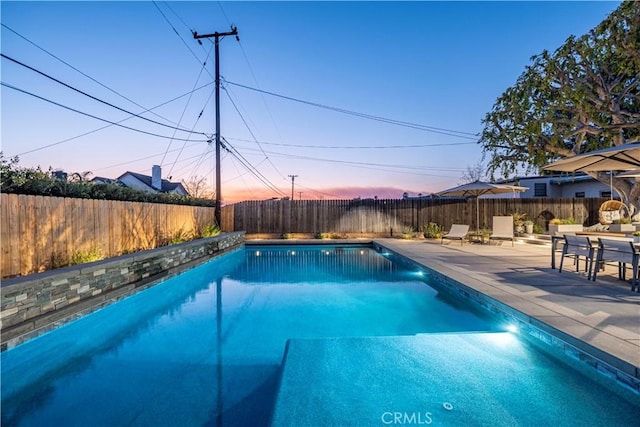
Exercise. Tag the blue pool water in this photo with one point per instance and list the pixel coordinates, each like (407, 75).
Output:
(205, 348)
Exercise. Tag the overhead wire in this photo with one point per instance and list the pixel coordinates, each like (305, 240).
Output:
(194, 125)
(253, 74)
(318, 192)
(187, 104)
(443, 131)
(357, 147)
(96, 117)
(179, 36)
(250, 131)
(233, 151)
(175, 128)
(128, 162)
(81, 72)
(367, 165)
(195, 165)
(104, 127)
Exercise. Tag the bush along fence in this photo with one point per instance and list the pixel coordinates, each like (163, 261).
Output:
(39, 233)
(395, 217)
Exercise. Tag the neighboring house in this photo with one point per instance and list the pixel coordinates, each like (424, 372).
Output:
(573, 186)
(153, 183)
(103, 180)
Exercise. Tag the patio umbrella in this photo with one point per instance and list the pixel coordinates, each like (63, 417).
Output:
(633, 173)
(480, 188)
(621, 157)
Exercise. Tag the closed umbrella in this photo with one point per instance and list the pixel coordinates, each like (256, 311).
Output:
(480, 188)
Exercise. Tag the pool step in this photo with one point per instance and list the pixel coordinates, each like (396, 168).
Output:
(441, 379)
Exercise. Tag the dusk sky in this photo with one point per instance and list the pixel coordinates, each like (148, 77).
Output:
(337, 78)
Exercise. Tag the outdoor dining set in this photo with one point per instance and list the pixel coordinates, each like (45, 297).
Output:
(597, 250)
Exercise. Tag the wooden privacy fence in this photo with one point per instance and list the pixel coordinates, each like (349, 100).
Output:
(383, 216)
(38, 231)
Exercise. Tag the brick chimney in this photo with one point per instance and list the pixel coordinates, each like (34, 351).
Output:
(156, 177)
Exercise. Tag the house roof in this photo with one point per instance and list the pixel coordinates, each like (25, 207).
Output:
(166, 186)
(570, 179)
(105, 180)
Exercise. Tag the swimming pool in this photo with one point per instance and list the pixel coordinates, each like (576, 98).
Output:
(206, 347)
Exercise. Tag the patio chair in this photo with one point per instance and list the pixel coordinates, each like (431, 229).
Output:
(576, 247)
(502, 229)
(621, 251)
(457, 232)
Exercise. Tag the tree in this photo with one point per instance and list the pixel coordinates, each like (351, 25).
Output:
(80, 176)
(197, 188)
(473, 173)
(585, 96)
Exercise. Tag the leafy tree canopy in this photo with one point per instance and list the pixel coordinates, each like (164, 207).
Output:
(582, 97)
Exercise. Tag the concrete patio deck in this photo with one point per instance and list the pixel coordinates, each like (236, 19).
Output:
(601, 318)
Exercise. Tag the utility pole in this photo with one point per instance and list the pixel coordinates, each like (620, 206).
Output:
(293, 178)
(299, 195)
(217, 36)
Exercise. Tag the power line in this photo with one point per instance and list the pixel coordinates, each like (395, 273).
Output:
(185, 143)
(250, 131)
(242, 174)
(374, 166)
(357, 147)
(449, 132)
(81, 72)
(95, 117)
(184, 110)
(253, 75)
(180, 37)
(319, 192)
(93, 97)
(137, 160)
(107, 126)
(233, 151)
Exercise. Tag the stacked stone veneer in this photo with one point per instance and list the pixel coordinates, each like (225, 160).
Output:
(34, 304)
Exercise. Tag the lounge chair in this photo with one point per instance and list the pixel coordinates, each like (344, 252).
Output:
(502, 229)
(457, 232)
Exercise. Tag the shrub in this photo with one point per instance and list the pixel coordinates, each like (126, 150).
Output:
(486, 232)
(538, 229)
(432, 231)
(210, 230)
(408, 232)
(623, 220)
(562, 221)
(338, 236)
(320, 235)
(78, 257)
(286, 236)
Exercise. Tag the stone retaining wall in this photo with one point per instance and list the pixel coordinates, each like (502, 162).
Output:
(34, 304)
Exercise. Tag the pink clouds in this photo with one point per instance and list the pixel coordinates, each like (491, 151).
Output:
(330, 193)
